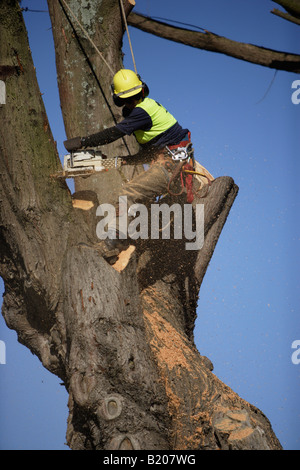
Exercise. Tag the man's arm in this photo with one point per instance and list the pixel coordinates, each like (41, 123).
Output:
(137, 119)
(100, 138)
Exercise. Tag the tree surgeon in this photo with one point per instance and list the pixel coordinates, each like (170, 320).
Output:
(165, 145)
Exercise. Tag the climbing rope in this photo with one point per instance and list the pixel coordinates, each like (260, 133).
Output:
(92, 42)
(129, 40)
(88, 37)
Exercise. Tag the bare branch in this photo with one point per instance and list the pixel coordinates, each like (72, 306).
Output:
(291, 6)
(212, 42)
(286, 16)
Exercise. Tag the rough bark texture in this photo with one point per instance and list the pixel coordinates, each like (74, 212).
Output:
(120, 339)
(212, 42)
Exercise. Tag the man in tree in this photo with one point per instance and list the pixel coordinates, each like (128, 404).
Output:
(163, 141)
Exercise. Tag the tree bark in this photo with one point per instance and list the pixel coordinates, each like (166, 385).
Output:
(212, 42)
(121, 339)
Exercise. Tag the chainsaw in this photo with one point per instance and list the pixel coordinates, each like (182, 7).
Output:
(86, 162)
(88, 159)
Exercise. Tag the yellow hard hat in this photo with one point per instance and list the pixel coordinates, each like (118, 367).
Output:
(126, 83)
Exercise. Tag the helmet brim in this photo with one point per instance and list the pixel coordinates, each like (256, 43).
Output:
(130, 92)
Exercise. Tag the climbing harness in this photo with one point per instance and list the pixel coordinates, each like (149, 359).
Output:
(184, 155)
(180, 153)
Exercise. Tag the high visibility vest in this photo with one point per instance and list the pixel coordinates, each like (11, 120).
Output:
(162, 120)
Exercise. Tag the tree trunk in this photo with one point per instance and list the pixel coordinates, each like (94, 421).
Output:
(120, 338)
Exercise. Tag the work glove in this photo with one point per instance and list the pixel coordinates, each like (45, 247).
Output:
(73, 144)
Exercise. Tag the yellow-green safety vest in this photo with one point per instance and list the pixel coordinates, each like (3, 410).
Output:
(162, 120)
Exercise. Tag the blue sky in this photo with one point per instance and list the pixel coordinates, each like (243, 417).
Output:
(248, 311)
